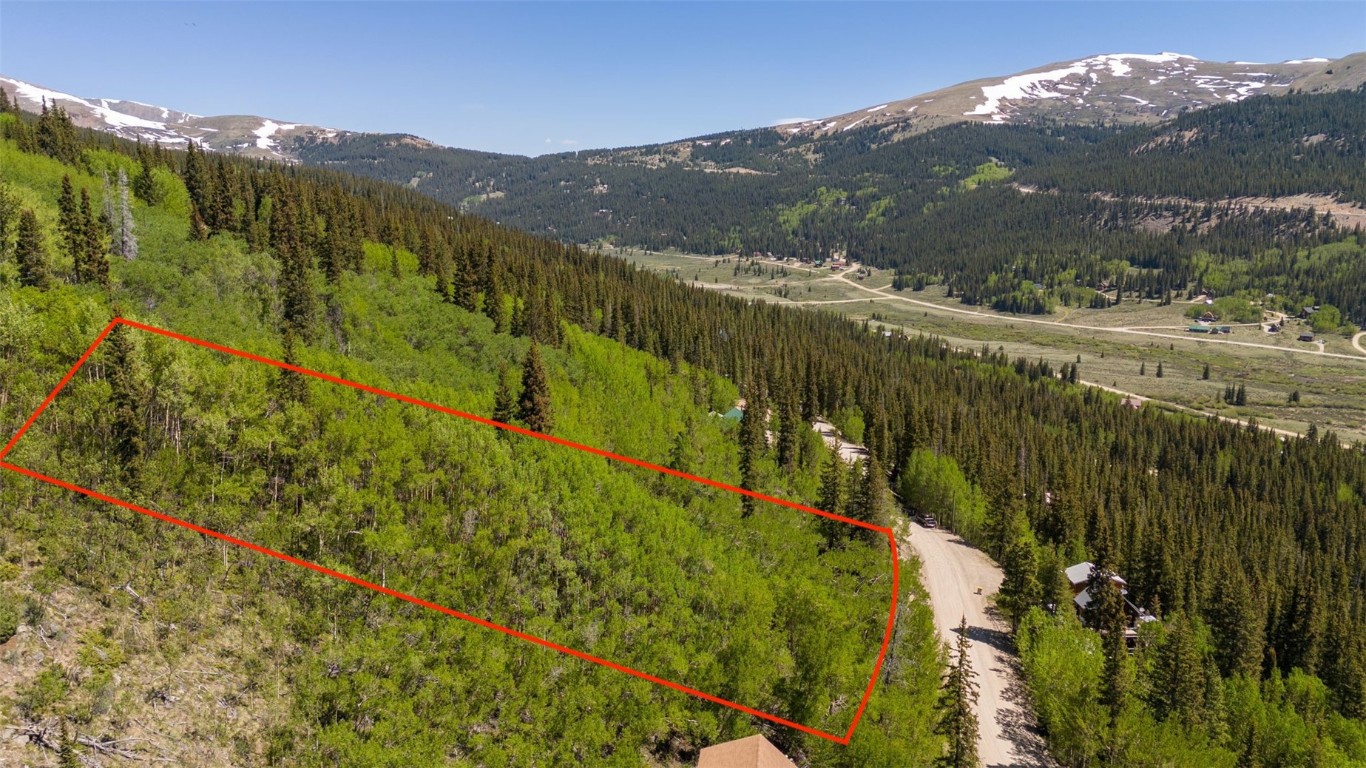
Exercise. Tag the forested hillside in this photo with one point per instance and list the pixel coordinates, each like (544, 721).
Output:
(755, 603)
(1266, 146)
(1255, 542)
(1141, 209)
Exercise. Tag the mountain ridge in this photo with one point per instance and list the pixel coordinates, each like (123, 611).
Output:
(1123, 88)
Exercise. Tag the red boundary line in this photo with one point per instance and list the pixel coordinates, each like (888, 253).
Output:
(891, 537)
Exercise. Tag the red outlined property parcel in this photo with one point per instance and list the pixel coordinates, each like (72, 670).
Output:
(891, 539)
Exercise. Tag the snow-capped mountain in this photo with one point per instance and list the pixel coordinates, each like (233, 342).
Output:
(239, 134)
(1121, 87)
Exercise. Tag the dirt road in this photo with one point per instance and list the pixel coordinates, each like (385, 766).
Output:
(883, 293)
(1356, 342)
(959, 579)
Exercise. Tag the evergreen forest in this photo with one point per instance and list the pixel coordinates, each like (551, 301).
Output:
(1251, 549)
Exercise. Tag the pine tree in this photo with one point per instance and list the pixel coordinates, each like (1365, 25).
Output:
(789, 431)
(1178, 685)
(296, 287)
(9, 220)
(56, 135)
(1240, 397)
(1143, 369)
(1236, 623)
(832, 499)
(93, 266)
(534, 407)
(199, 183)
(1159, 370)
(1205, 374)
(752, 443)
(957, 704)
(293, 386)
(1020, 588)
(871, 501)
(127, 398)
(504, 403)
(144, 184)
(72, 227)
(30, 252)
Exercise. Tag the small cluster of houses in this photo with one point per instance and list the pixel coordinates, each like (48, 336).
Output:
(1209, 329)
(837, 260)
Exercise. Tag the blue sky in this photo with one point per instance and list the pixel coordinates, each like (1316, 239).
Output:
(546, 77)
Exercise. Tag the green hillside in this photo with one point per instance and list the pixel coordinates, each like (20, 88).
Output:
(1140, 207)
(1249, 548)
(617, 561)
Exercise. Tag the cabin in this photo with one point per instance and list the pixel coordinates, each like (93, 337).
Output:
(1131, 402)
(1208, 317)
(734, 414)
(1198, 329)
(750, 752)
(1080, 574)
(1224, 329)
(1306, 337)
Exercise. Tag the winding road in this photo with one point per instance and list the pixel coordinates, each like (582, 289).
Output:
(960, 578)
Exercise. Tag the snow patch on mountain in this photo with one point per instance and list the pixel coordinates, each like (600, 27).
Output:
(268, 129)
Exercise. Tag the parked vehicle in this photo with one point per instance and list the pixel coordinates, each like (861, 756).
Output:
(926, 520)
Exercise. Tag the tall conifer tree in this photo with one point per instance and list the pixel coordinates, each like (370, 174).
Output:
(534, 406)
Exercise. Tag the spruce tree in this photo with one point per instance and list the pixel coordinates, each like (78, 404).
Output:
(144, 184)
(56, 135)
(1177, 682)
(789, 431)
(833, 500)
(93, 266)
(752, 442)
(504, 403)
(1020, 588)
(199, 183)
(871, 501)
(127, 399)
(72, 227)
(30, 252)
(9, 221)
(293, 386)
(296, 287)
(957, 705)
(533, 406)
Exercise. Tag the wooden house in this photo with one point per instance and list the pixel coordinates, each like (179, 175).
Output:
(750, 752)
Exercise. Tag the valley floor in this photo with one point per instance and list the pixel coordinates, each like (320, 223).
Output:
(1117, 348)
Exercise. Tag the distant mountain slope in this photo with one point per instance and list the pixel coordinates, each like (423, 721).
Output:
(1122, 88)
(239, 134)
(1296, 144)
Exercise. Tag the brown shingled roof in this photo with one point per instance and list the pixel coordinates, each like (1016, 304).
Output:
(749, 752)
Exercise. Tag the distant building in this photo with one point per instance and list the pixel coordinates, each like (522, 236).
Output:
(749, 752)
(1080, 574)
(1306, 337)
(1131, 402)
(734, 414)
